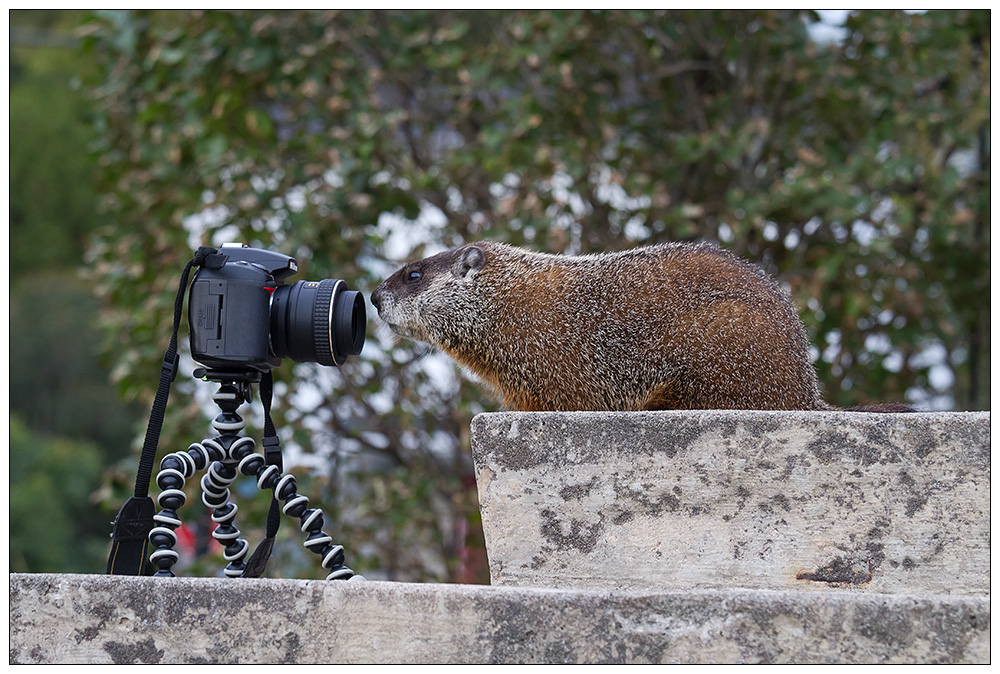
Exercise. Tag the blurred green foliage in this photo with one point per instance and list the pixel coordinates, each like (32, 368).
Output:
(69, 424)
(856, 171)
(55, 524)
(52, 209)
(57, 382)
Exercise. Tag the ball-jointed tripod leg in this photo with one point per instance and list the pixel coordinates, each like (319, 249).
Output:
(225, 456)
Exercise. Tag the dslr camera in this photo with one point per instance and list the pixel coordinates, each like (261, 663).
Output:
(243, 317)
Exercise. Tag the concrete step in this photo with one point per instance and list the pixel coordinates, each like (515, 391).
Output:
(114, 619)
(801, 501)
(688, 537)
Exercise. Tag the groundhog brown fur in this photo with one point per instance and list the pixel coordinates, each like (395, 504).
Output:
(666, 327)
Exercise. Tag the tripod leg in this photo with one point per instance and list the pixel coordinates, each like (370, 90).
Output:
(215, 494)
(311, 523)
(175, 468)
(225, 457)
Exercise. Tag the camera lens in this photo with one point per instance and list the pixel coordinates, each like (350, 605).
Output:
(317, 322)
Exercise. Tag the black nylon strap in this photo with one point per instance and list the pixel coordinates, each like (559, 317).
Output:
(208, 257)
(135, 519)
(130, 537)
(272, 448)
(272, 456)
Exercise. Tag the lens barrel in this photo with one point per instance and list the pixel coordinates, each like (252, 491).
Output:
(317, 322)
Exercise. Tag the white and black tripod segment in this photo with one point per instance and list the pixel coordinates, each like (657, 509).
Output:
(225, 456)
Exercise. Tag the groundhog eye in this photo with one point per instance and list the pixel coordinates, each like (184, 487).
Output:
(413, 276)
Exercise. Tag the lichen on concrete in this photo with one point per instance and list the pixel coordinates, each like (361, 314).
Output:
(264, 621)
(882, 503)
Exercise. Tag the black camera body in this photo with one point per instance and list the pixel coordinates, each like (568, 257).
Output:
(243, 317)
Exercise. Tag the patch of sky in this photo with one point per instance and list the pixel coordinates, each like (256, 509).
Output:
(400, 235)
(771, 231)
(830, 27)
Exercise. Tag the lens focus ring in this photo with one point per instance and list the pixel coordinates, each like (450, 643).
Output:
(322, 322)
(317, 322)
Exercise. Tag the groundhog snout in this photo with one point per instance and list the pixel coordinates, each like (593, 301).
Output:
(377, 298)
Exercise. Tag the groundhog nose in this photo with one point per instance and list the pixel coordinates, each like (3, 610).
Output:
(377, 298)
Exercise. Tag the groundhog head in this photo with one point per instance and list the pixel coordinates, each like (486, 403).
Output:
(435, 299)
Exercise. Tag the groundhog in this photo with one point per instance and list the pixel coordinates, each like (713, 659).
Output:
(667, 327)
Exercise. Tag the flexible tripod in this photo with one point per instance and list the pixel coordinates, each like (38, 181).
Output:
(225, 456)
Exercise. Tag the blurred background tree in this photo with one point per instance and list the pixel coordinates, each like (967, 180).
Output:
(854, 169)
(68, 420)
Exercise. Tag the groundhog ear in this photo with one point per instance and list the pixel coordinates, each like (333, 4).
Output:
(472, 261)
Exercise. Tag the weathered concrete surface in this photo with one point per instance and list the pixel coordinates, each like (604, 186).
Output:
(114, 619)
(888, 503)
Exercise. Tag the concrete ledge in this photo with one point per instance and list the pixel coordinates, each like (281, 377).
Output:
(886, 503)
(106, 619)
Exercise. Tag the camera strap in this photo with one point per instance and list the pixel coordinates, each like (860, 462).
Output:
(272, 456)
(135, 519)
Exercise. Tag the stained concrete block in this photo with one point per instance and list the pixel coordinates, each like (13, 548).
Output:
(124, 620)
(885, 503)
